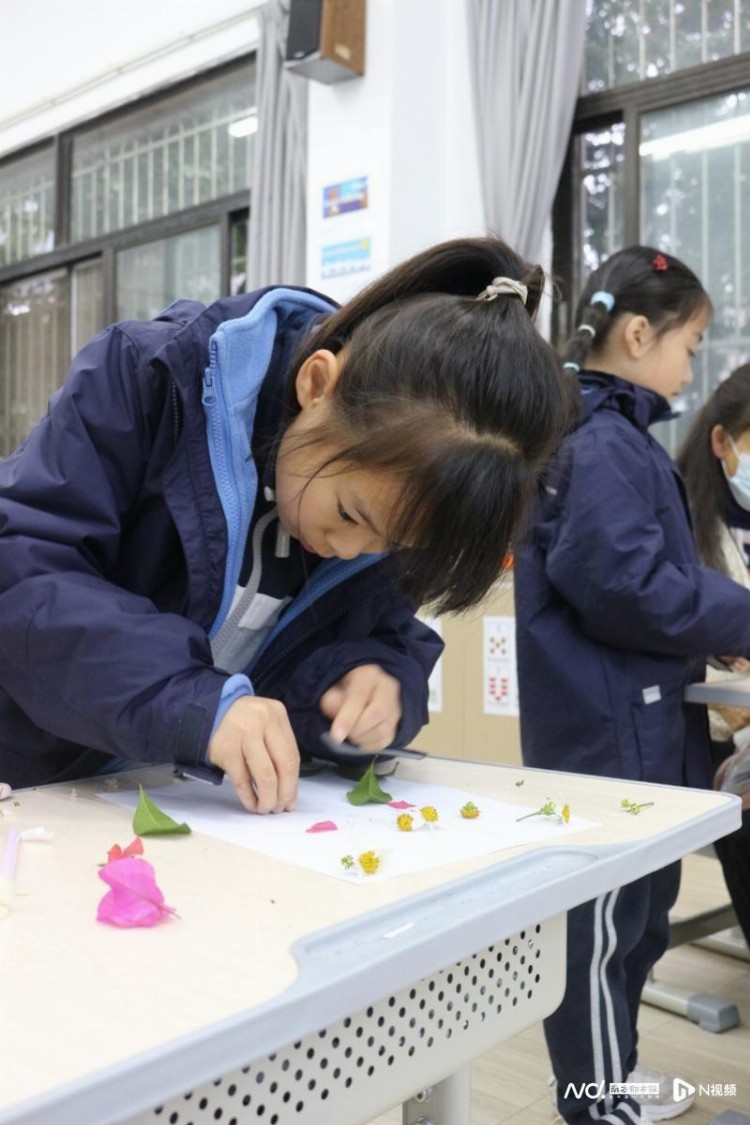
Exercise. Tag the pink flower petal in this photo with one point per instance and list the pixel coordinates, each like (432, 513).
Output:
(323, 826)
(401, 805)
(135, 899)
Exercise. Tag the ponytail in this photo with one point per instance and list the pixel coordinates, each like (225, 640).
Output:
(641, 281)
(460, 268)
(594, 323)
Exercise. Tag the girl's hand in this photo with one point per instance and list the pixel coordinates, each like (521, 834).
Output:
(735, 717)
(256, 748)
(736, 663)
(365, 707)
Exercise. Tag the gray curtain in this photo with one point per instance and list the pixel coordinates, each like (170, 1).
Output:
(276, 247)
(527, 57)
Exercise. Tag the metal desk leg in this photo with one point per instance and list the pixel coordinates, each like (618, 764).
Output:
(446, 1103)
(712, 1013)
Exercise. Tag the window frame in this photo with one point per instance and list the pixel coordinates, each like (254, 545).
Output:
(626, 103)
(225, 210)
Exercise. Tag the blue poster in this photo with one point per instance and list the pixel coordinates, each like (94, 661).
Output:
(351, 195)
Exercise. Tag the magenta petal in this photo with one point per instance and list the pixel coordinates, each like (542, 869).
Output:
(323, 826)
(134, 898)
(401, 805)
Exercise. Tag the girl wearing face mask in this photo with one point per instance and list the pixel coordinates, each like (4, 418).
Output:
(715, 463)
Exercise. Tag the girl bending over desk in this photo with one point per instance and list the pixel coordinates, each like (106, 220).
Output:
(213, 545)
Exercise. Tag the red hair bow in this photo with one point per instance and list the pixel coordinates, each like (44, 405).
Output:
(660, 263)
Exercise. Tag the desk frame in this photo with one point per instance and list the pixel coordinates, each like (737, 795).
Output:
(369, 960)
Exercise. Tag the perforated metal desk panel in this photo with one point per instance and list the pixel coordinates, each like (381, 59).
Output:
(291, 998)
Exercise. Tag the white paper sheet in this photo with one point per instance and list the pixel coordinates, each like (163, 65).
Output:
(215, 811)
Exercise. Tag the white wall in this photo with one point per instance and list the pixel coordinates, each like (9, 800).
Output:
(407, 125)
(65, 61)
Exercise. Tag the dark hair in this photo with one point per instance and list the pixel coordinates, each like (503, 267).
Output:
(460, 397)
(708, 495)
(641, 281)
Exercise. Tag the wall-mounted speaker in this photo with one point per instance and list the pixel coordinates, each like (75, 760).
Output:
(326, 39)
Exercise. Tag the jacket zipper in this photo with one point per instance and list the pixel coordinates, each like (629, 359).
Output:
(231, 502)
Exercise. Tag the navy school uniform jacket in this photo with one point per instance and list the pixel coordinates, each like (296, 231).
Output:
(123, 522)
(614, 614)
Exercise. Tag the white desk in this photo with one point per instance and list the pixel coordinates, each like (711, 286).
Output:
(292, 998)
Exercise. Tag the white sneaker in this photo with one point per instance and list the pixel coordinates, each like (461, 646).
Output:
(657, 1107)
(675, 1094)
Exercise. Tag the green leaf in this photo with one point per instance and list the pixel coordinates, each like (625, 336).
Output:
(367, 791)
(149, 820)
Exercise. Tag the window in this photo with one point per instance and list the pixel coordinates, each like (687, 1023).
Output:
(116, 219)
(186, 150)
(631, 40)
(27, 207)
(665, 161)
(34, 345)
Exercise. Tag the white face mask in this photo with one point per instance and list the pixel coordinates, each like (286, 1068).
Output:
(739, 484)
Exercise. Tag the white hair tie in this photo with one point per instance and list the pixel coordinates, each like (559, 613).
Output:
(502, 285)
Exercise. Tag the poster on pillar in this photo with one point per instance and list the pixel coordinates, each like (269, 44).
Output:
(347, 226)
(344, 236)
(500, 677)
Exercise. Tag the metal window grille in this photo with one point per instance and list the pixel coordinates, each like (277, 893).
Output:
(27, 206)
(34, 350)
(631, 40)
(186, 150)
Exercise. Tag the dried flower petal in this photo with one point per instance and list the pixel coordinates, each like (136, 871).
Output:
(135, 847)
(469, 811)
(134, 898)
(323, 826)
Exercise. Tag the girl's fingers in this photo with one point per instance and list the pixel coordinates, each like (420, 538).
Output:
(284, 755)
(331, 700)
(373, 732)
(243, 786)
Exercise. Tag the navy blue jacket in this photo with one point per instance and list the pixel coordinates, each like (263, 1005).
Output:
(123, 521)
(614, 614)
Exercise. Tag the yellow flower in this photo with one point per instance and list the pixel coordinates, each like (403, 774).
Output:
(405, 822)
(369, 862)
(430, 813)
(469, 811)
(549, 809)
